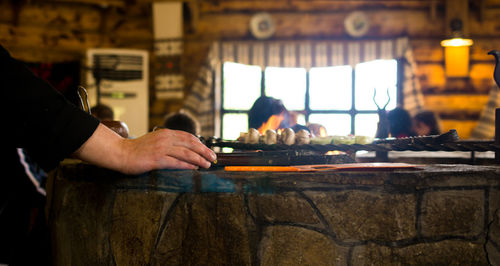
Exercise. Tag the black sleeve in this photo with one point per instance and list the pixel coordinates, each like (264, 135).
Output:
(39, 118)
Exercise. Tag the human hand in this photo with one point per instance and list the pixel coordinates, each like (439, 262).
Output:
(160, 149)
(165, 149)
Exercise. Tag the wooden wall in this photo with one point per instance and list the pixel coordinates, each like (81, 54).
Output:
(62, 30)
(458, 101)
(55, 31)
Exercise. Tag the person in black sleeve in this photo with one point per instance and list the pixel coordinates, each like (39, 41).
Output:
(43, 123)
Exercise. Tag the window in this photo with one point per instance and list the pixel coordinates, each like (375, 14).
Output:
(340, 98)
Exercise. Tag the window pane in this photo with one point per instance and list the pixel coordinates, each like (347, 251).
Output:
(330, 88)
(288, 85)
(335, 124)
(366, 124)
(233, 124)
(380, 75)
(301, 119)
(241, 86)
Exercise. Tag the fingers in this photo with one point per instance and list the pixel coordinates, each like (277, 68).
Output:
(192, 143)
(189, 156)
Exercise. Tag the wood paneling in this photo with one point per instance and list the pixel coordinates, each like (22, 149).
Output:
(458, 103)
(61, 30)
(321, 25)
(463, 127)
(310, 5)
(41, 31)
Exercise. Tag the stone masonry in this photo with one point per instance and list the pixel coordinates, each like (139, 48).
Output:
(436, 215)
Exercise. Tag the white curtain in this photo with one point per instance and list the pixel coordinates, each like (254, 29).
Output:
(203, 100)
(485, 128)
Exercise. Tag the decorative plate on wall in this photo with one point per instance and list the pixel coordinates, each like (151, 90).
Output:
(357, 24)
(262, 26)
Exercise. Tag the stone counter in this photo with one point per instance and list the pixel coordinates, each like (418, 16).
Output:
(439, 215)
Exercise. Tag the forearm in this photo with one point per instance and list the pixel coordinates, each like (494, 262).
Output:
(104, 148)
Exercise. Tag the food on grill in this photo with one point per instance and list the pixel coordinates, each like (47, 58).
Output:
(288, 136)
(242, 137)
(262, 138)
(271, 137)
(322, 140)
(303, 137)
(252, 136)
(337, 140)
(363, 139)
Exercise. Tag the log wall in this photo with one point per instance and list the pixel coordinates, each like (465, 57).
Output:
(61, 30)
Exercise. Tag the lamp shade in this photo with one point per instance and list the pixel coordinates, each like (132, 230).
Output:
(456, 56)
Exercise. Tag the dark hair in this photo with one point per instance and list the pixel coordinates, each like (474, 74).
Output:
(298, 127)
(181, 121)
(430, 119)
(400, 123)
(263, 108)
(102, 112)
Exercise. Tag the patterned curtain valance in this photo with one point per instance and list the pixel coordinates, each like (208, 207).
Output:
(307, 54)
(204, 100)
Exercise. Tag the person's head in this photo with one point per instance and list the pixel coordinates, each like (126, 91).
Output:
(262, 109)
(400, 123)
(426, 123)
(182, 120)
(102, 112)
(317, 130)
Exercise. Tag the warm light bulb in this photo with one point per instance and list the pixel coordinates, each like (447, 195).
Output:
(456, 42)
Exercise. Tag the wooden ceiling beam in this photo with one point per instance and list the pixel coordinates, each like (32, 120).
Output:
(310, 5)
(101, 3)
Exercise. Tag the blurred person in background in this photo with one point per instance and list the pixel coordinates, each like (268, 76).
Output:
(270, 113)
(426, 123)
(182, 120)
(102, 112)
(267, 113)
(317, 130)
(400, 123)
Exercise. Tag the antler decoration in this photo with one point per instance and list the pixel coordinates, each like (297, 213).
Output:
(388, 99)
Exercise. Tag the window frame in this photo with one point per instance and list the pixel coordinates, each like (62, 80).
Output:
(352, 112)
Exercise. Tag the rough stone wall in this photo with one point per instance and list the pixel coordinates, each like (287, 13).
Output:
(437, 216)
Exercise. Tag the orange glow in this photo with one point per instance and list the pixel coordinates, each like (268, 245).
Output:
(456, 61)
(272, 123)
(456, 56)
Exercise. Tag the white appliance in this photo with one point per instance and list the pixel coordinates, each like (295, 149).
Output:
(119, 79)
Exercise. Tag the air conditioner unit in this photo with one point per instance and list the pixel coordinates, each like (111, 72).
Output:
(119, 79)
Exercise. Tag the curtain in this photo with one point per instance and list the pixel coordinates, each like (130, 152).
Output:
(204, 99)
(485, 128)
